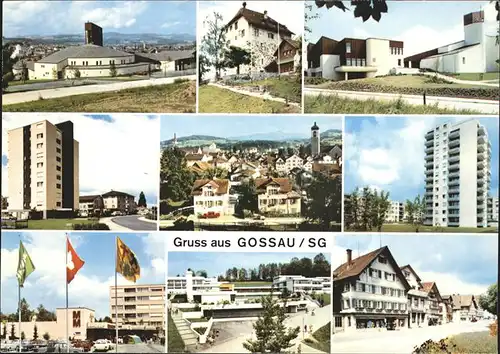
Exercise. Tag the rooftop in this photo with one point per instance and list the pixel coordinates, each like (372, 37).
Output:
(83, 51)
(260, 20)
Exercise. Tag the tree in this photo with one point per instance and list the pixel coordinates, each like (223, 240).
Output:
(142, 200)
(46, 336)
(107, 319)
(7, 65)
(112, 69)
(26, 313)
(4, 331)
(5, 203)
(203, 67)
(309, 15)
(489, 301)
(363, 9)
(234, 273)
(23, 336)
(381, 207)
(176, 180)
(242, 274)
(54, 73)
(272, 335)
(261, 54)
(247, 199)
(35, 332)
(416, 211)
(325, 200)
(12, 332)
(214, 173)
(236, 57)
(214, 43)
(44, 315)
(76, 73)
(24, 72)
(202, 273)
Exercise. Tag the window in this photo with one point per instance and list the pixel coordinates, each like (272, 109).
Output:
(39, 164)
(399, 62)
(39, 145)
(58, 159)
(58, 168)
(58, 177)
(39, 184)
(256, 32)
(348, 62)
(348, 47)
(236, 26)
(374, 60)
(58, 141)
(382, 260)
(97, 62)
(39, 136)
(270, 35)
(58, 204)
(58, 150)
(58, 185)
(463, 60)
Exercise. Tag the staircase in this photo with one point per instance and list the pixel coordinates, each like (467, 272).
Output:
(189, 337)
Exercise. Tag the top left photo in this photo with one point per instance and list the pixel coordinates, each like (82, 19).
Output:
(99, 56)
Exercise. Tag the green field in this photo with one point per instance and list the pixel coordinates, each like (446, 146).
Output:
(477, 76)
(326, 298)
(335, 104)
(432, 229)
(171, 98)
(321, 339)
(217, 100)
(175, 342)
(18, 83)
(477, 342)
(55, 224)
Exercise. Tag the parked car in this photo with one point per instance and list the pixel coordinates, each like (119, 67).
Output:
(102, 345)
(55, 347)
(12, 345)
(211, 215)
(86, 345)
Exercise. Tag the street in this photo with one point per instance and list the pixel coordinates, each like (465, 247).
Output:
(483, 106)
(401, 341)
(140, 348)
(133, 222)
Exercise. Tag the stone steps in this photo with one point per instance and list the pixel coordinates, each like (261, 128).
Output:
(188, 336)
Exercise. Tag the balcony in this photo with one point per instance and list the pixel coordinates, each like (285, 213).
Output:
(454, 150)
(481, 139)
(429, 179)
(454, 174)
(430, 142)
(454, 168)
(453, 182)
(481, 131)
(429, 164)
(480, 197)
(452, 143)
(429, 135)
(453, 223)
(481, 147)
(453, 207)
(480, 173)
(429, 193)
(454, 198)
(429, 157)
(454, 133)
(429, 149)
(453, 158)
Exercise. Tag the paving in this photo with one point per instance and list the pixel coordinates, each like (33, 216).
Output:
(134, 222)
(20, 97)
(483, 106)
(400, 341)
(140, 348)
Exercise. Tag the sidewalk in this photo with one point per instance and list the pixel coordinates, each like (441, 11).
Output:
(142, 218)
(264, 96)
(113, 226)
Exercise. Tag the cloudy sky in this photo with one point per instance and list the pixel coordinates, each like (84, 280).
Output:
(90, 287)
(439, 22)
(288, 13)
(459, 264)
(235, 126)
(216, 263)
(388, 153)
(118, 151)
(24, 18)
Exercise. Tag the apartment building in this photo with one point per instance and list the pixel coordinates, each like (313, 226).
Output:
(492, 206)
(434, 299)
(300, 283)
(138, 304)
(417, 298)
(369, 291)
(90, 205)
(212, 196)
(457, 175)
(43, 167)
(259, 34)
(395, 213)
(119, 201)
(293, 162)
(353, 58)
(276, 196)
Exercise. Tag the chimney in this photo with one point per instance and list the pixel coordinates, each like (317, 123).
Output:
(265, 14)
(244, 5)
(349, 256)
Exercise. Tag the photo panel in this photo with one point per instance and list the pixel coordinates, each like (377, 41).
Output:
(250, 56)
(80, 171)
(99, 56)
(401, 57)
(253, 173)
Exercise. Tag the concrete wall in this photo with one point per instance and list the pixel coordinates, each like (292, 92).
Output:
(473, 33)
(468, 174)
(378, 54)
(99, 71)
(328, 63)
(76, 171)
(15, 169)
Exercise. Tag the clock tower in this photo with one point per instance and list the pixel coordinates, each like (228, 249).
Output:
(315, 143)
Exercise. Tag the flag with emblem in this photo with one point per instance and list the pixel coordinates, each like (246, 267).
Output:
(126, 262)
(73, 262)
(25, 266)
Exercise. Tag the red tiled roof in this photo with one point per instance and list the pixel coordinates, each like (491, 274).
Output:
(258, 20)
(221, 186)
(285, 184)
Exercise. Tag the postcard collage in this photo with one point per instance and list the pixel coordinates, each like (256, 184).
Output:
(341, 156)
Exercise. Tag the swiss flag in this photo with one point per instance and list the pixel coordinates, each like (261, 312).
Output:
(74, 262)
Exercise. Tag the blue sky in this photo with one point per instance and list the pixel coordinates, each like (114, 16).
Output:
(109, 144)
(216, 263)
(90, 287)
(458, 263)
(388, 153)
(236, 126)
(68, 17)
(421, 25)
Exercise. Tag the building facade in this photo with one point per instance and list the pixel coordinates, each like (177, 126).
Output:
(457, 175)
(315, 140)
(91, 205)
(138, 304)
(43, 167)
(212, 196)
(300, 283)
(353, 58)
(119, 201)
(395, 213)
(417, 298)
(276, 196)
(465, 308)
(492, 206)
(369, 292)
(93, 34)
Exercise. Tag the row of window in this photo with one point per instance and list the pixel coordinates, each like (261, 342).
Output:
(58, 185)
(396, 51)
(369, 304)
(376, 289)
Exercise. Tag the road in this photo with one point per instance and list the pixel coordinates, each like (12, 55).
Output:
(133, 222)
(58, 84)
(402, 341)
(483, 106)
(20, 97)
(140, 348)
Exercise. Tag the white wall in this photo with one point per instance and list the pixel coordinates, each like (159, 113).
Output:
(473, 33)
(105, 72)
(45, 70)
(328, 63)
(468, 174)
(102, 61)
(378, 54)
(491, 52)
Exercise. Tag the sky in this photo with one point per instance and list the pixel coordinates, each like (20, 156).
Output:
(90, 287)
(235, 126)
(216, 263)
(388, 153)
(23, 18)
(117, 152)
(421, 25)
(458, 264)
(288, 13)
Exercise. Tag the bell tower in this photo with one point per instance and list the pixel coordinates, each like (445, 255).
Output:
(315, 141)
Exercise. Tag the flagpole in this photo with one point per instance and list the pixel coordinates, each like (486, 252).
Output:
(116, 294)
(67, 314)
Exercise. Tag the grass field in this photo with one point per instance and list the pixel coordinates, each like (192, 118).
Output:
(17, 83)
(409, 228)
(285, 87)
(55, 224)
(321, 339)
(477, 76)
(175, 342)
(477, 342)
(171, 98)
(326, 298)
(252, 283)
(216, 100)
(336, 104)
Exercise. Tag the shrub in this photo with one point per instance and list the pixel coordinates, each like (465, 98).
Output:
(92, 226)
(494, 329)
(180, 80)
(314, 80)
(430, 346)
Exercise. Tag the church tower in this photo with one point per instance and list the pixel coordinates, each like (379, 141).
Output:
(175, 139)
(315, 143)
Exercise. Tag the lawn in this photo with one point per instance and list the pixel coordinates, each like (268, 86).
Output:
(321, 339)
(477, 76)
(252, 283)
(175, 342)
(409, 228)
(477, 342)
(55, 224)
(336, 104)
(285, 87)
(216, 100)
(413, 85)
(177, 97)
(17, 83)
(326, 298)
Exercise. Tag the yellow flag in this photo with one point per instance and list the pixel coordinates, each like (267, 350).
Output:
(126, 262)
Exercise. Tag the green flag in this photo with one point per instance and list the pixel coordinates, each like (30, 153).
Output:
(25, 266)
